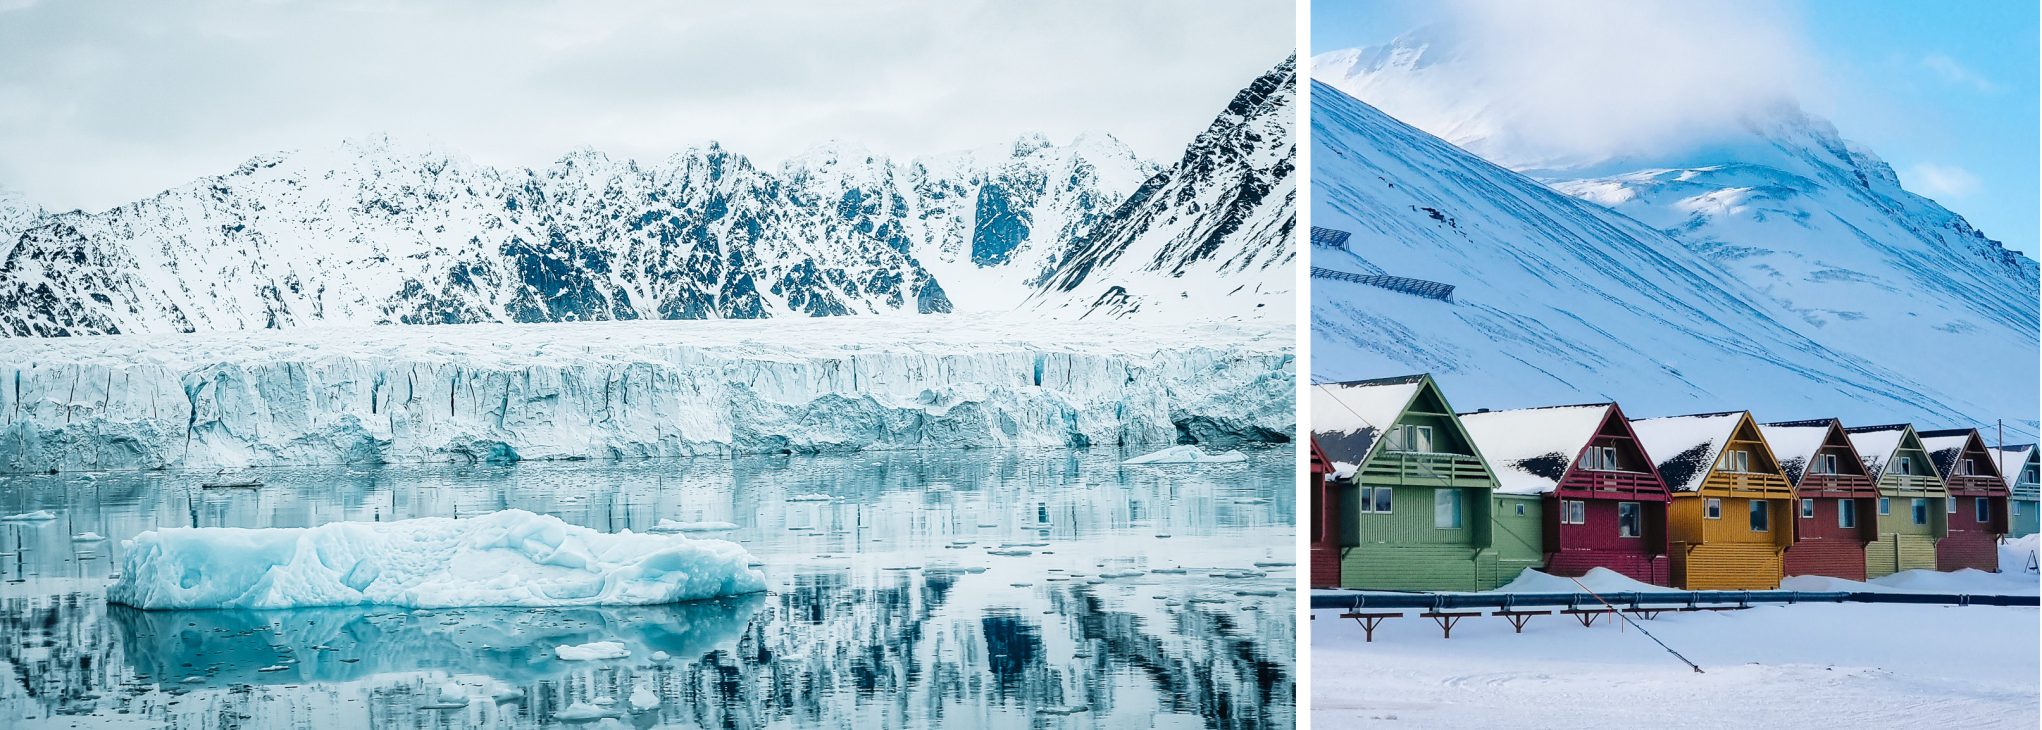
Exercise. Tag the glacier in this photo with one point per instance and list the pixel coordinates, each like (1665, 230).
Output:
(506, 558)
(501, 393)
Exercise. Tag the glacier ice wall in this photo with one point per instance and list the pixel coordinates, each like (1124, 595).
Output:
(634, 389)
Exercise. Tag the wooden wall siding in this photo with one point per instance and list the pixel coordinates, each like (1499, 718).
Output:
(1410, 519)
(1822, 547)
(1893, 553)
(1519, 540)
(1726, 566)
(1574, 549)
(1418, 568)
(1971, 543)
(1654, 569)
(1325, 566)
(2029, 521)
(1686, 522)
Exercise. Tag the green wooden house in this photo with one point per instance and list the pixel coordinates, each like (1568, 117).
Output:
(2022, 467)
(1417, 504)
(1910, 510)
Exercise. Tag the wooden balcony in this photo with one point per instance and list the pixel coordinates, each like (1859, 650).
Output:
(1417, 469)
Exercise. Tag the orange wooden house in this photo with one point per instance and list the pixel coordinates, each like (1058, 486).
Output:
(1729, 524)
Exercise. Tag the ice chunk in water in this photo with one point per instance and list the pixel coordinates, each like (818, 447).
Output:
(41, 515)
(1187, 455)
(592, 651)
(508, 558)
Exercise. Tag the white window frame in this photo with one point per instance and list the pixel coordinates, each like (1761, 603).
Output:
(1368, 500)
(1906, 464)
(2015, 507)
(1807, 508)
(1885, 505)
(1952, 501)
(1712, 508)
(1573, 512)
(1981, 508)
(1965, 468)
(1759, 507)
(1520, 509)
(1828, 462)
(1736, 460)
(1846, 513)
(1918, 516)
(1637, 515)
(1448, 499)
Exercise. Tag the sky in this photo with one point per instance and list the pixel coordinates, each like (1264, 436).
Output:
(103, 103)
(1944, 92)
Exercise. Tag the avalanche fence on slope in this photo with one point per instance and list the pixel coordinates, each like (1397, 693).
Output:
(635, 390)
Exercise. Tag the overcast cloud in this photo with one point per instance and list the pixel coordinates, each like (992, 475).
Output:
(106, 102)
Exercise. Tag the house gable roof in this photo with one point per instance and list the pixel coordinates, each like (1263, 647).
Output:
(1348, 417)
(1531, 449)
(1877, 445)
(1796, 443)
(2013, 458)
(1687, 447)
(1946, 446)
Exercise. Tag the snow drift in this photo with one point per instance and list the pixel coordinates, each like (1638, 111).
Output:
(508, 558)
(635, 389)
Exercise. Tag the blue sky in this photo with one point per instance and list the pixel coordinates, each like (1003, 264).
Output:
(1944, 92)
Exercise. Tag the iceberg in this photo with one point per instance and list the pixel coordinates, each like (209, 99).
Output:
(507, 558)
(591, 651)
(1187, 455)
(41, 515)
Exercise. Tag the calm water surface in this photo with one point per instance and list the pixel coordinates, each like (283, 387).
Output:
(1146, 597)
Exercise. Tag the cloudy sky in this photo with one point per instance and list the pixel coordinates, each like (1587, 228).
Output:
(105, 102)
(1945, 92)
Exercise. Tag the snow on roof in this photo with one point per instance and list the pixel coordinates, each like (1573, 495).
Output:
(1945, 444)
(1531, 448)
(1876, 444)
(1794, 443)
(1346, 417)
(1686, 446)
(2011, 458)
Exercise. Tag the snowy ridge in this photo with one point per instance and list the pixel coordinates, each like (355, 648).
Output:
(1561, 300)
(1214, 234)
(636, 389)
(1811, 230)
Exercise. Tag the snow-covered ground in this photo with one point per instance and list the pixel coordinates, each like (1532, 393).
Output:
(1822, 665)
(636, 389)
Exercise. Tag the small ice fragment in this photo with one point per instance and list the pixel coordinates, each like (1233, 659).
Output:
(643, 699)
(605, 701)
(1163, 535)
(1122, 574)
(41, 515)
(1187, 454)
(1023, 584)
(812, 497)
(1064, 710)
(1250, 500)
(1274, 564)
(1011, 552)
(581, 711)
(273, 668)
(1257, 592)
(660, 656)
(591, 651)
(1170, 571)
(88, 536)
(668, 526)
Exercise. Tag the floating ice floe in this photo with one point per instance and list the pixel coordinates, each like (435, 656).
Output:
(1187, 455)
(592, 651)
(88, 537)
(41, 515)
(581, 712)
(643, 699)
(812, 497)
(508, 558)
(1011, 552)
(679, 526)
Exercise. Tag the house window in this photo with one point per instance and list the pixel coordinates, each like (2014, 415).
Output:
(1920, 511)
(1846, 513)
(1376, 500)
(1759, 515)
(1807, 509)
(1885, 505)
(1601, 458)
(1712, 508)
(1906, 465)
(1982, 509)
(1446, 509)
(1520, 509)
(1411, 438)
(1953, 504)
(1630, 520)
(1574, 512)
(1964, 468)
(2017, 507)
(1738, 461)
(1825, 464)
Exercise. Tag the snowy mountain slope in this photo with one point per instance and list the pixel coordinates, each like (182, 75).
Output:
(17, 214)
(494, 392)
(1213, 234)
(1821, 228)
(374, 232)
(988, 222)
(1560, 300)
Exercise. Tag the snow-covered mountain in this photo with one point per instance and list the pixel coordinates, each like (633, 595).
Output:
(1818, 229)
(1213, 234)
(375, 231)
(1562, 300)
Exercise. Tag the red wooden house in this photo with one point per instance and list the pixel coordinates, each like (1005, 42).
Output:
(1978, 499)
(1325, 524)
(1835, 499)
(1604, 503)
